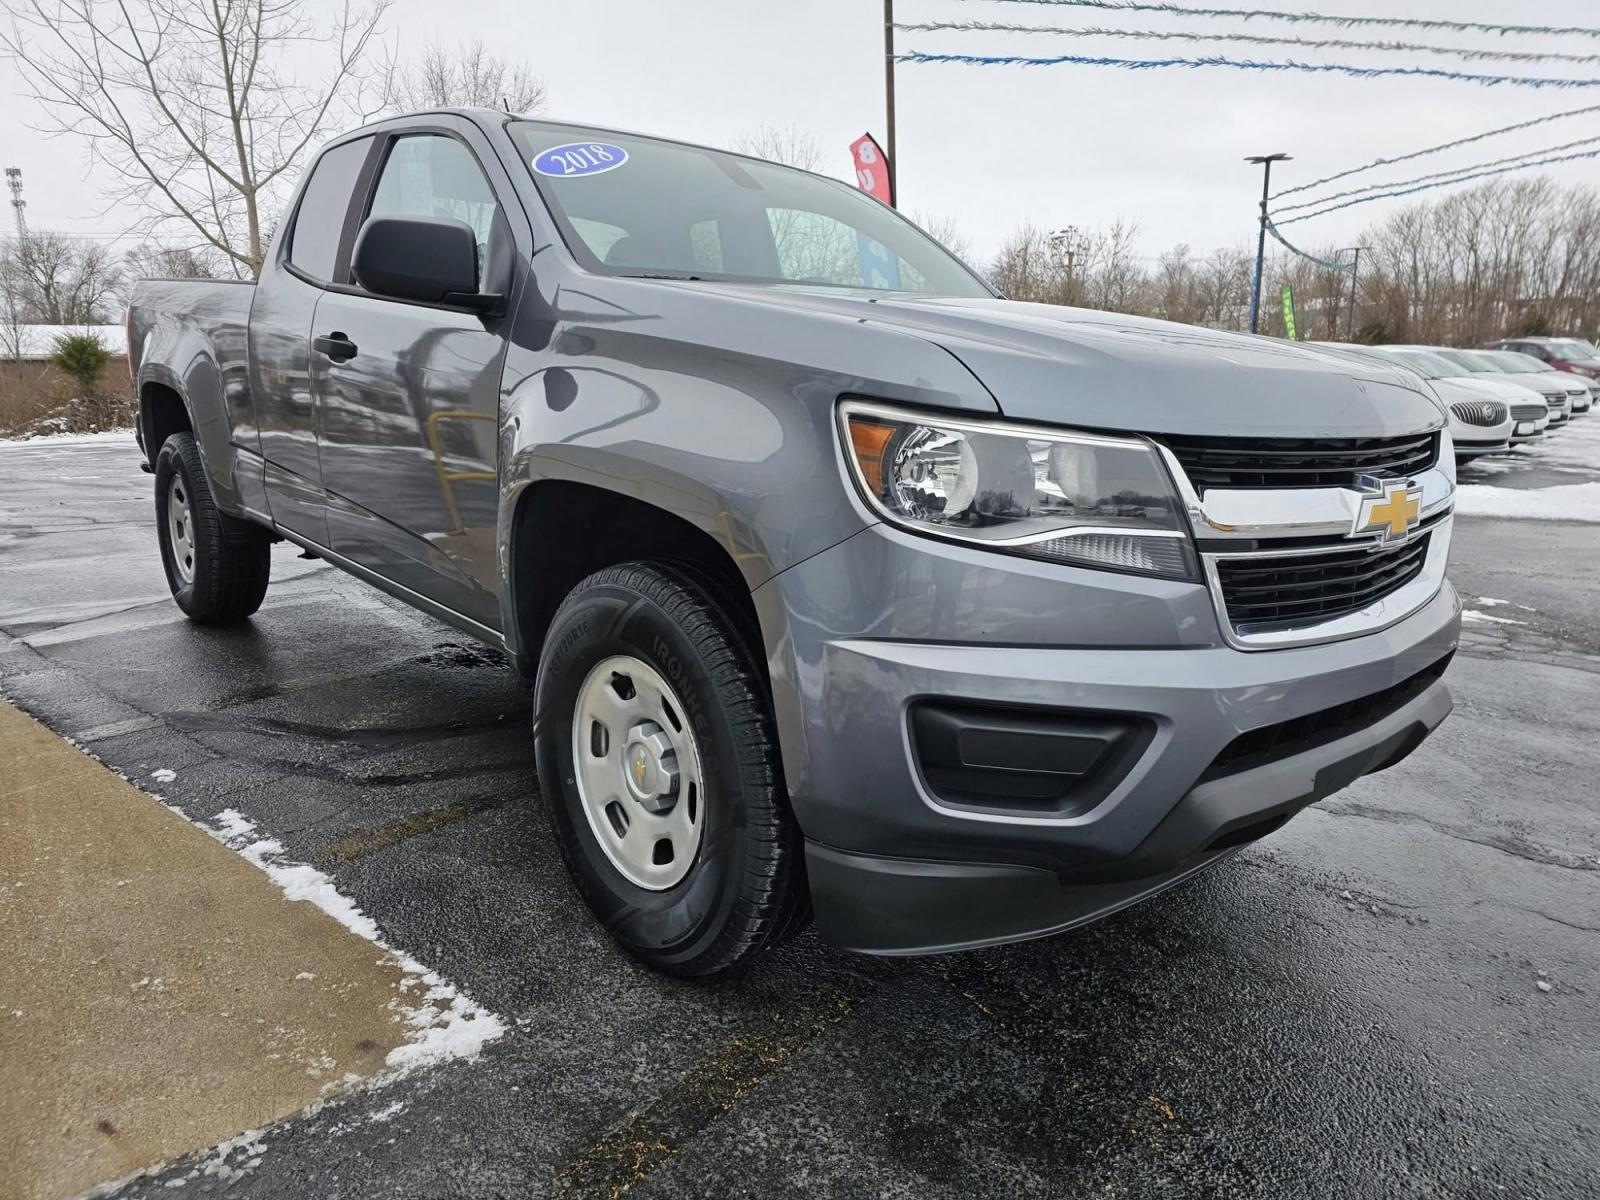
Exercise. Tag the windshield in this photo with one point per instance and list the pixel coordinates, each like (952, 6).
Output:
(1431, 366)
(1569, 348)
(1472, 360)
(1513, 363)
(637, 206)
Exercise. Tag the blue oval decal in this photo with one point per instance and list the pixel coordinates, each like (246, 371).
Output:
(580, 158)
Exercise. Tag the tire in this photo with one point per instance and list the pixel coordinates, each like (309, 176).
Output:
(743, 888)
(217, 567)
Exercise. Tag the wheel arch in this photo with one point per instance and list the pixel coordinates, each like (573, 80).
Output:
(163, 411)
(561, 530)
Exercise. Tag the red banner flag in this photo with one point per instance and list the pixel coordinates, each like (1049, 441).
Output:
(872, 168)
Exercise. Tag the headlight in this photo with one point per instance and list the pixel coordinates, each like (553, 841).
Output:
(1080, 498)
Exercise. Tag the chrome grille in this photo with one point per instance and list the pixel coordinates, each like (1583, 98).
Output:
(1289, 590)
(1224, 462)
(1528, 412)
(1479, 412)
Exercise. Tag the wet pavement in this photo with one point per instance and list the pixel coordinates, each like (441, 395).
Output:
(1392, 996)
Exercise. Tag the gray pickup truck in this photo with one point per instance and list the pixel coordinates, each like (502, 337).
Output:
(845, 586)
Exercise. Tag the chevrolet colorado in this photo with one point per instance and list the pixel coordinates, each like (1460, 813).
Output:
(845, 586)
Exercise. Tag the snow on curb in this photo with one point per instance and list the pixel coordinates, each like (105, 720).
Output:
(446, 1023)
(1565, 502)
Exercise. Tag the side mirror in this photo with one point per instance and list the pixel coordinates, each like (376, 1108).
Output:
(433, 260)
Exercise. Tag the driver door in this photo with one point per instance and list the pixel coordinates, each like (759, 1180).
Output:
(409, 420)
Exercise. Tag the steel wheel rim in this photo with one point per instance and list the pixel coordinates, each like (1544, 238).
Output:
(180, 528)
(637, 765)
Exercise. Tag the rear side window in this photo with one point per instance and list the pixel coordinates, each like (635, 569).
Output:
(319, 222)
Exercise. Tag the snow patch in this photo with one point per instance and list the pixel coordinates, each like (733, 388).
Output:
(1491, 602)
(100, 437)
(445, 1022)
(163, 775)
(1565, 502)
(1473, 616)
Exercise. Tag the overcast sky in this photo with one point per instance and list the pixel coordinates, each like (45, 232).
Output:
(992, 147)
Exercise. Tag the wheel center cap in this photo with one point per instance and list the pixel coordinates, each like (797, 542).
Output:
(650, 766)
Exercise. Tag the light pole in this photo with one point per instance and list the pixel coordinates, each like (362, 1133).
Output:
(1355, 265)
(888, 98)
(1266, 161)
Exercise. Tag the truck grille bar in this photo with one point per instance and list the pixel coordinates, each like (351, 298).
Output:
(1225, 462)
(1290, 590)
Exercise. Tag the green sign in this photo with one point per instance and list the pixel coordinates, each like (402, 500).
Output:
(1288, 314)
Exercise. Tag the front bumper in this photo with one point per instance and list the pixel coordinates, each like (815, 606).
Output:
(895, 869)
(1466, 451)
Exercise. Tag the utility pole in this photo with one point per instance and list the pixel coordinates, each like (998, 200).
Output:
(1266, 161)
(18, 204)
(888, 96)
(1355, 266)
(1064, 245)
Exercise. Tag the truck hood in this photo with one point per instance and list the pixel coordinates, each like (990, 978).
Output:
(1043, 362)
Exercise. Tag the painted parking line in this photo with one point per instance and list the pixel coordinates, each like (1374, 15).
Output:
(164, 988)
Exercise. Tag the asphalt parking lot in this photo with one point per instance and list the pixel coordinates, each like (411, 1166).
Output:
(1395, 995)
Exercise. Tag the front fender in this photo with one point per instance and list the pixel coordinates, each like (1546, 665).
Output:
(759, 476)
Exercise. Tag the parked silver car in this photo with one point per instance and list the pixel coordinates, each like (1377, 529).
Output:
(1580, 391)
(1485, 362)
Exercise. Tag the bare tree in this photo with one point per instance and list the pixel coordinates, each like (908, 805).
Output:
(152, 261)
(792, 146)
(1113, 276)
(190, 103)
(53, 279)
(466, 76)
(13, 304)
(1025, 269)
(947, 233)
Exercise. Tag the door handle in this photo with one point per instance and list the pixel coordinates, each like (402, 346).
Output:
(336, 346)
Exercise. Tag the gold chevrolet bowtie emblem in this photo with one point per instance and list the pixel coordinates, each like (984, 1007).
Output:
(638, 767)
(1392, 513)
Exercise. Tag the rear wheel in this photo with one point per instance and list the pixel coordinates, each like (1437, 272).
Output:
(659, 766)
(217, 568)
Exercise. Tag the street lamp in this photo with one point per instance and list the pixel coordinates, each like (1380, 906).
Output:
(1266, 161)
(1355, 266)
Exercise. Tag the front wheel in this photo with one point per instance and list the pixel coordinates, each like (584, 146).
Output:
(659, 767)
(217, 568)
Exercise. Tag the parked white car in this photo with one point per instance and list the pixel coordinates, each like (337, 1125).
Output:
(1479, 424)
(1528, 413)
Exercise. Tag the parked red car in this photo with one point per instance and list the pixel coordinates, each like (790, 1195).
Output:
(1562, 353)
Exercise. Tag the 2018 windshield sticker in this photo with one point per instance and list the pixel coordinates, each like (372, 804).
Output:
(580, 158)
